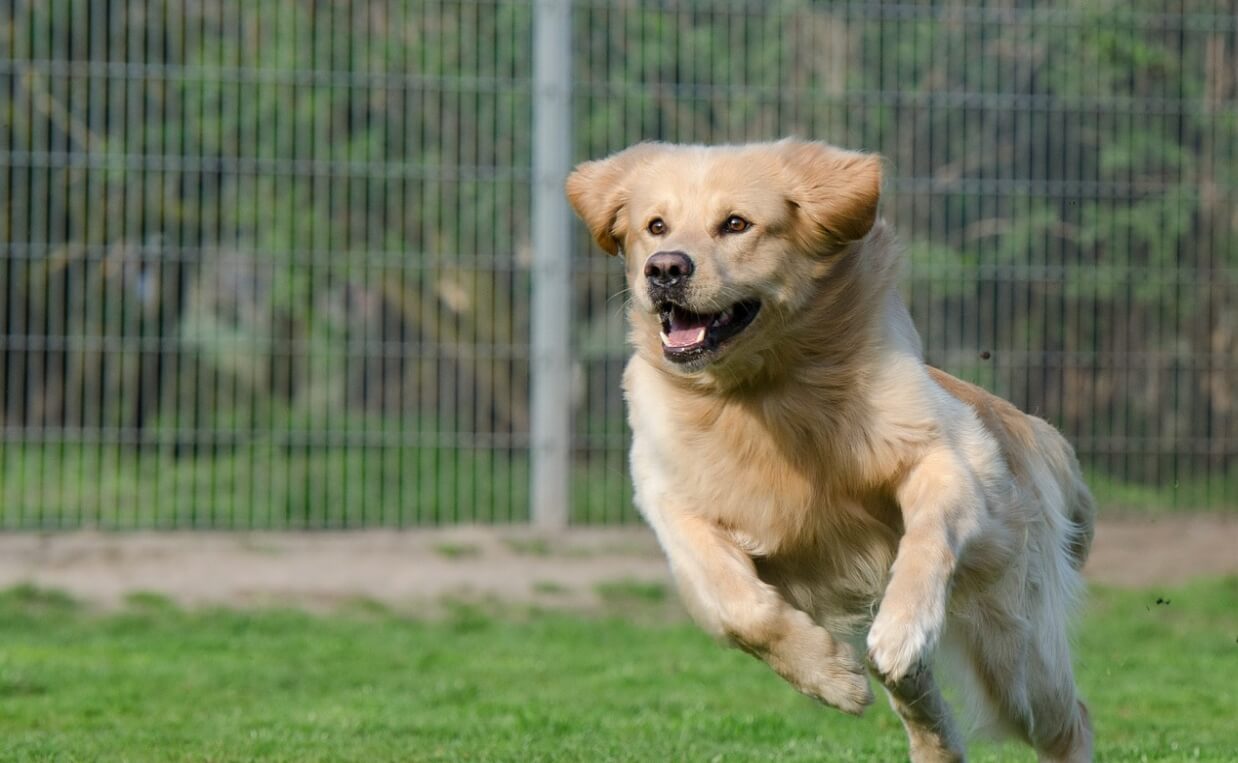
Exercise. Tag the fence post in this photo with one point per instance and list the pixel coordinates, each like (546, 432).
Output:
(552, 277)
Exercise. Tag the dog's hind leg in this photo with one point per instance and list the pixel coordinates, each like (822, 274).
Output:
(1062, 732)
(1072, 743)
(1026, 673)
(926, 717)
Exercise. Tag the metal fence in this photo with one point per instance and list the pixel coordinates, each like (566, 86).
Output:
(271, 263)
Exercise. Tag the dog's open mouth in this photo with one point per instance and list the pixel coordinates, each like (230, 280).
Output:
(687, 335)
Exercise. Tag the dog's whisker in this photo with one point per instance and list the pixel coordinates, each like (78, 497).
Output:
(621, 293)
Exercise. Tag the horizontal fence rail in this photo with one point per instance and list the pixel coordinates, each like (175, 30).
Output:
(274, 264)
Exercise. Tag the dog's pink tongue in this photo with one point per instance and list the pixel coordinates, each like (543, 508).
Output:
(686, 330)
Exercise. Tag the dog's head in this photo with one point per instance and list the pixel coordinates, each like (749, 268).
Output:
(723, 246)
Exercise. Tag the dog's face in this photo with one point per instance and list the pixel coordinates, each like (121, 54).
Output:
(723, 246)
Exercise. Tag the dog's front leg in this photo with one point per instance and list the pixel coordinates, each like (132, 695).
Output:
(942, 508)
(720, 587)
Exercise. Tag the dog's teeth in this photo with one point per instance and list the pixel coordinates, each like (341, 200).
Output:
(666, 340)
(700, 335)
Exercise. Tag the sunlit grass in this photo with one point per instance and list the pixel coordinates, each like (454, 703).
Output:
(154, 682)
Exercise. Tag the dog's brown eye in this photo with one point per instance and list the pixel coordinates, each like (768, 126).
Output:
(736, 224)
(657, 227)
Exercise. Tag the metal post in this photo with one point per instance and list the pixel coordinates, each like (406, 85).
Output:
(552, 281)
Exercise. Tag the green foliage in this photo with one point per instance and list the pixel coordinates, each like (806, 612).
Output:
(330, 205)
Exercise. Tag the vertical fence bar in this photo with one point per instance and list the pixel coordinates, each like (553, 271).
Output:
(552, 283)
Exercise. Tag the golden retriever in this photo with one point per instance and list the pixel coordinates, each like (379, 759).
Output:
(819, 491)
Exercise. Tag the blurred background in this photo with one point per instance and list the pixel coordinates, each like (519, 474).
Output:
(270, 264)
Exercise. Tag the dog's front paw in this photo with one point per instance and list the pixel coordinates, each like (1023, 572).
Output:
(900, 643)
(840, 683)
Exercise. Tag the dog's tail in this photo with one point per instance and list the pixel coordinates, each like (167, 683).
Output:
(1077, 501)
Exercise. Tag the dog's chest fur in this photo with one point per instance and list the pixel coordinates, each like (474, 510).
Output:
(816, 531)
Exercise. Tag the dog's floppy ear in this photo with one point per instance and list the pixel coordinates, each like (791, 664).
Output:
(836, 190)
(598, 192)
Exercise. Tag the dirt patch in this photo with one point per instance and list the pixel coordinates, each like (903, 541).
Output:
(414, 570)
(410, 570)
(1138, 553)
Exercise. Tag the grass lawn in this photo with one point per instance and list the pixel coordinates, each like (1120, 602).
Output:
(267, 487)
(157, 683)
(257, 485)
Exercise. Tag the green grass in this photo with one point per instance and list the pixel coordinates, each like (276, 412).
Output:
(1217, 492)
(257, 485)
(528, 546)
(622, 592)
(156, 683)
(457, 550)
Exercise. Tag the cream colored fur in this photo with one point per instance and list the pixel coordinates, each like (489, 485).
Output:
(824, 497)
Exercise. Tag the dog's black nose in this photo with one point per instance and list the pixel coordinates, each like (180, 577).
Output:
(667, 269)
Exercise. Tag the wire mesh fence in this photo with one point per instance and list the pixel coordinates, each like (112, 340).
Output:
(268, 264)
